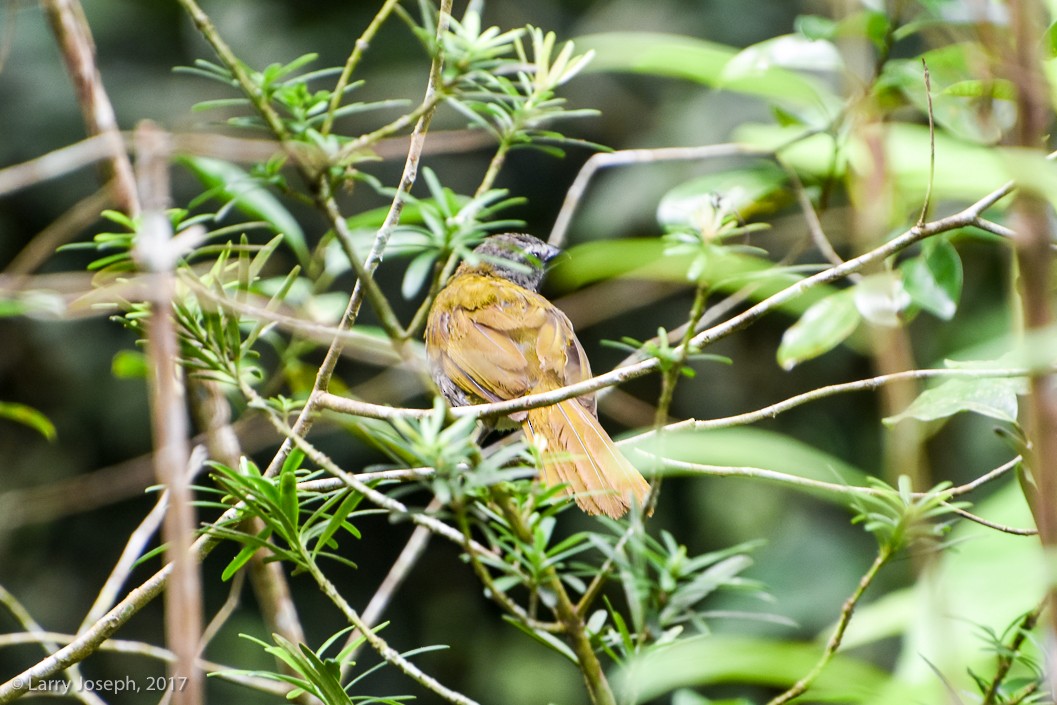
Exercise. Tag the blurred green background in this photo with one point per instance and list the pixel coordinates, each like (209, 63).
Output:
(67, 506)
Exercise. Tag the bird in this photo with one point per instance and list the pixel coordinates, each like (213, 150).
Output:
(491, 336)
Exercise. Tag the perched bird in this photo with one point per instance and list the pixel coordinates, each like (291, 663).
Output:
(491, 337)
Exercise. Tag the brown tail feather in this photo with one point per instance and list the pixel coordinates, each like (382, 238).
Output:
(581, 454)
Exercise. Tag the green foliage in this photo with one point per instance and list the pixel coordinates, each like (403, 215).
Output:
(305, 522)
(238, 189)
(823, 327)
(665, 587)
(527, 551)
(661, 349)
(900, 519)
(28, 416)
(451, 225)
(505, 88)
(283, 86)
(313, 673)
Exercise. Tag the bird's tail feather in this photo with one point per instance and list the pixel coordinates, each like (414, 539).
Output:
(581, 454)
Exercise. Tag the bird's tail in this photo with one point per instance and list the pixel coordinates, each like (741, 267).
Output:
(581, 454)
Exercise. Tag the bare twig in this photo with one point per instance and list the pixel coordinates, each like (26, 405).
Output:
(814, 225)
(398, 572)
(862, 385)
(604, 160)
(78, 51)
(991, 524)
(391, 655)
(932, 144)
(811, 485)
(134, 548)
(62, 230)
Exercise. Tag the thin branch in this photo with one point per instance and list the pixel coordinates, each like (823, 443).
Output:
(604, 160)
(991, 524)
(55, 163)
(997, 229)
(814, 225)
(932, 144)
(226, 610)
(398, 572)
(808, 484)
(986, 477)
(391, 655)
(37, 634)
(863, 385)
(781, 478)
(801, 686)
(365, 271)
(132, 552)
(237, 68)
(66, 227)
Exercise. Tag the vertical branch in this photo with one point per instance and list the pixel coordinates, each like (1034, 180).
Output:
(598, 688)
(381, 239)
(1035, 262)
(154, 249)
(78, 52)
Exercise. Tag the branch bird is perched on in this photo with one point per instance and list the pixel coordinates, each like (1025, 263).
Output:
(492, 337)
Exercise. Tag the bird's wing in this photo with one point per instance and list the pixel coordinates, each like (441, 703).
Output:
(498, 341)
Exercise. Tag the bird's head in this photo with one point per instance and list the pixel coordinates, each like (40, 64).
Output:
(517, 257)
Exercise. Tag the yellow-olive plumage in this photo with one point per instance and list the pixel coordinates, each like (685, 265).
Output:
(490, 337)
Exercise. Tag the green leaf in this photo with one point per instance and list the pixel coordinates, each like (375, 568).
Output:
(816, 26)
(823, 327)
(549, 640)
(235, 185)
(934, 279)
(28, 416)
(757, 70)
(242, 558)
(881, 299)
(293, 461)
(288, 496)
(995, 397)
(718, 659)
(338, 519)
(129, 364)
(644, 258)
(747, 191)
(657, 54)
(417, 273)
